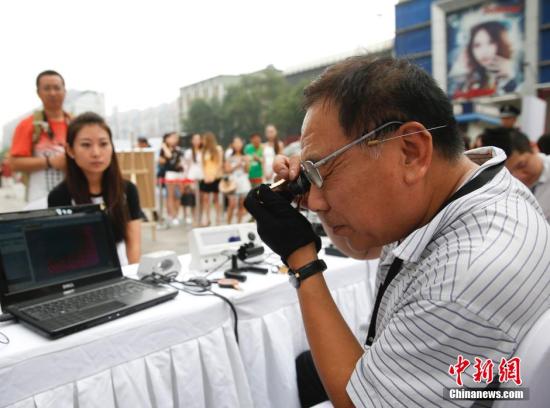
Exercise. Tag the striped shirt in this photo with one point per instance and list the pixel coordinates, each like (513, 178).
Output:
(541, 189)
(473, 281)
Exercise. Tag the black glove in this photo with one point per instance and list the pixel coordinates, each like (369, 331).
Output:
(280, 225)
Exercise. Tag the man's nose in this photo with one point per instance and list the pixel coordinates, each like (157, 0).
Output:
(315, 199)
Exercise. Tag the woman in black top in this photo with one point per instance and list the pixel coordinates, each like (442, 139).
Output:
(93, 176)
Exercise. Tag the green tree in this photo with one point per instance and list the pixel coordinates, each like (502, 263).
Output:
(246, 105)
(258, 99)
(286, 111)
(204, 116)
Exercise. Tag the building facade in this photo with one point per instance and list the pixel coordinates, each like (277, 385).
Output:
(484, 54)
(208, 89)
(151, 123)
(312, 69)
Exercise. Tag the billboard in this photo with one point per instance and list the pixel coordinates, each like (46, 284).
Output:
(485, 49)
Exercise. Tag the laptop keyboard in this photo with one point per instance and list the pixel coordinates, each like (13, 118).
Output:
(85, 305)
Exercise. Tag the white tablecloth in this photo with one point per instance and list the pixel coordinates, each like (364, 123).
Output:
(182, 352)
(271, 331)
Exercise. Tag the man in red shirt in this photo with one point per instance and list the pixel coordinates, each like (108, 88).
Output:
(38, 145)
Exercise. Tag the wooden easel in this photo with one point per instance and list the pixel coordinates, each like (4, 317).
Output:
(138, 166)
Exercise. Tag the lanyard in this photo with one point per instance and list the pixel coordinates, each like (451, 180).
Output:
(483, 178)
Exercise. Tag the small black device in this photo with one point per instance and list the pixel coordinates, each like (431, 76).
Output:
(235, 269)
(249, 250)
(294, 188)
(60, 273)
(235, 275)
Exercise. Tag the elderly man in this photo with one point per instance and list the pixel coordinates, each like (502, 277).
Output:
(464, 261)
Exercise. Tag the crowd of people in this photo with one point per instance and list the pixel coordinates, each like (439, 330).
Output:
(205, 178)
(69, 160)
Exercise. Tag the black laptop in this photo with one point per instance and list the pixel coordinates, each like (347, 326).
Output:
(60, 273)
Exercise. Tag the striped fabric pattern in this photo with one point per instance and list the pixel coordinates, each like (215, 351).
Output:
(473, 281)
(541, 189)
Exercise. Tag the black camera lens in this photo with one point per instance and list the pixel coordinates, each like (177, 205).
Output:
(298, 187)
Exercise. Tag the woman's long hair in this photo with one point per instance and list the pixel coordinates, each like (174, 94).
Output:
(112, 183)
(193, 151)
(276, 141)
(499, 35)
(234, 152)
(210, 146)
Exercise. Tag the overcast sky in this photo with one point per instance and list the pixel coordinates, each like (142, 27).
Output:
(138, 53)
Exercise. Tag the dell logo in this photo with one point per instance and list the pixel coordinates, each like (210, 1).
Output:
(67, 286)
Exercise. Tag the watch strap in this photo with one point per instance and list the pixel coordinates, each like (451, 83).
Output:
(308, 270)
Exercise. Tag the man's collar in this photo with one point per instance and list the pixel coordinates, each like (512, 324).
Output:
(545, 175)
(411, 248)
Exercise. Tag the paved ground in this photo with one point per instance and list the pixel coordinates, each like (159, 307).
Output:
(173, 238)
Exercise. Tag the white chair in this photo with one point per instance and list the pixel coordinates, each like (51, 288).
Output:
(534, 352)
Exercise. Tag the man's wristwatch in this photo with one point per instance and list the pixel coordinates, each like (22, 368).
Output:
(297, 276)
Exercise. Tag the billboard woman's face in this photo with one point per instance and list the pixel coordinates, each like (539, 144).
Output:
(484, 48)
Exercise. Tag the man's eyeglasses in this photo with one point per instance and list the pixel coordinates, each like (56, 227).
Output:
(311, 170)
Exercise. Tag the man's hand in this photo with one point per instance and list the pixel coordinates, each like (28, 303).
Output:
(281, 226)
(285, 167)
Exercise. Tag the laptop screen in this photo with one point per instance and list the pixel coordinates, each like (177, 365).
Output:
(39, 252)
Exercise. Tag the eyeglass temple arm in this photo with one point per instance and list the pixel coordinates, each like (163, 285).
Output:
(349, 146)
(375, 142)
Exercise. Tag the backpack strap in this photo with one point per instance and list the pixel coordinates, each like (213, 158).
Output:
(39, 123)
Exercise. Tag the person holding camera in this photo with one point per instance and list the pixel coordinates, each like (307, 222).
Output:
(38, 143)
(462, 243)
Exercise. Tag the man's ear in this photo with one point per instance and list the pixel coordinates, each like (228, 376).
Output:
(416, 151)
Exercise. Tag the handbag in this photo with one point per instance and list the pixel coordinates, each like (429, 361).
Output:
(227, 186)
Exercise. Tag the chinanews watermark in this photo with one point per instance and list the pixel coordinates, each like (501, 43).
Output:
(500, 383)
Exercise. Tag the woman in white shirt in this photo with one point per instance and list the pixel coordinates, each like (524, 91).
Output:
(236, 165)
(272, 147)
(193, 164)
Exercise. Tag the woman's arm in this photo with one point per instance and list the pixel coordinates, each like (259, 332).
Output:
(166, 151)
(221, 161)
(228, 168)
(281, 146)
(133, 228)
(133, 241)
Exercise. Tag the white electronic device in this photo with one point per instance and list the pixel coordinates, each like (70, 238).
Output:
(161, 262)
(209, 244)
